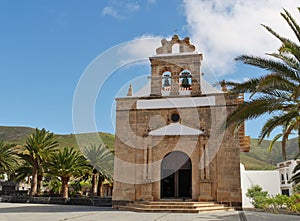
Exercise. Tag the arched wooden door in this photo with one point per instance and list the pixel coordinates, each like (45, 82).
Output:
(176, 176)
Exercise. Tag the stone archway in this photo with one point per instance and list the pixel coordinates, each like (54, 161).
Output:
(176, 176)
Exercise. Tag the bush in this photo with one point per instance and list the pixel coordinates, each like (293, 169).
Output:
(295, 208)
(296, 188)
(278, 202)
(275, 204)
(294, 204)
(259, 197)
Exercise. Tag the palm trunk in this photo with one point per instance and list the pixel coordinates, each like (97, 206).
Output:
(34, 179)
(11, 177)
(100, 182)
(39, 183)
(94, 184)
(283, 147)
(65, 187)
(299, 139)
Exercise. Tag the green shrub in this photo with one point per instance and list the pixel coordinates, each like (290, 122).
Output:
(296, 188)
(275, 204)
(259, 197)
(53, 186)
(278, 202)
(295, 208)
(294, 203)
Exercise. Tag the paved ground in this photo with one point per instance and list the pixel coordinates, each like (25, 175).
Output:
(37, 212)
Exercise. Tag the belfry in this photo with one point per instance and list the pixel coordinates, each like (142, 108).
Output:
(170, 145)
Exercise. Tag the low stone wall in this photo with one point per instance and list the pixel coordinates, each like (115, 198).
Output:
(87, 201)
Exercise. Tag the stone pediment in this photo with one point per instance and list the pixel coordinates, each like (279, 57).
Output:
(175, 129)
(184, 45)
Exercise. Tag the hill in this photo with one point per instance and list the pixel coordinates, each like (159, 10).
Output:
(14, 134)
(18, 135)
(251, 163)
(259, 158)
(261, 153)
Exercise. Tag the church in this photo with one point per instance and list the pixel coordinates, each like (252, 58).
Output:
(170, 141)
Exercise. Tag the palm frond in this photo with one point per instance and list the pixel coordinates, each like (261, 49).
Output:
(67, 162)
(267, 64)
(253, 109)
(8, 158)
(291, 48)
(273, 141)
(276, 121)
(276, 83)
(100, 158)
(296, 177)
(286, 43)
(290, 62)
(248, 86)
(292, 23)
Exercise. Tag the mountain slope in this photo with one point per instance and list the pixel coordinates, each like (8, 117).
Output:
(251, 163)
(18, 135)
(14, 134)
(261, 153)
(259, 158)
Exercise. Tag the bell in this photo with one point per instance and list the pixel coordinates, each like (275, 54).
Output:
(166, 83)
(185, 83)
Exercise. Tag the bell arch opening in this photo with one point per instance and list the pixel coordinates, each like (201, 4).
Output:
(176, 176)
(166, 81)
(185, 80)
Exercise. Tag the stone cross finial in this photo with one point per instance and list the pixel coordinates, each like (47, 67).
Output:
(129, 93)
(224, 87)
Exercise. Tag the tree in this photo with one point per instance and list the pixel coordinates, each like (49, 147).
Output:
(8, 158)
(66, 164)
(276, 93)
(296, 177)
(101, 160)
(39, 145)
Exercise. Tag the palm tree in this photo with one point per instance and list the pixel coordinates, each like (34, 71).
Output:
(8, 158)
(296, 177)
(101, 160)
(277, 93)
(36, 151)
(66, 164)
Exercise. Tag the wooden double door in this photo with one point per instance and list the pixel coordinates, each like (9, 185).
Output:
(176, 176)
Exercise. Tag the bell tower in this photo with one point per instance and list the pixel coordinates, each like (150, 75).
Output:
(175, 74)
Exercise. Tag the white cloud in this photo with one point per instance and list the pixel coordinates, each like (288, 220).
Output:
(132, 7)
(110, 11)
(120, 9)
(224, 29)
(141, 47)
(151, 1)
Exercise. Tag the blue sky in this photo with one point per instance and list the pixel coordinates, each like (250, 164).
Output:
(45, 47)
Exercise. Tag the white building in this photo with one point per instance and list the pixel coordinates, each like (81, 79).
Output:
(268, 180)
(285, 173)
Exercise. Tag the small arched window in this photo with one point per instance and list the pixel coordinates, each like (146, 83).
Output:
(176, 48)
(185, 80)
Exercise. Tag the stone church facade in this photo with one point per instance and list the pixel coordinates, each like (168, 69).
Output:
(169, 139)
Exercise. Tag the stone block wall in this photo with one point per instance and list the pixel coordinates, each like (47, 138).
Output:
(218, 181)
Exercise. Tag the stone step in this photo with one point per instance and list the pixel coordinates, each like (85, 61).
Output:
(175, 203)
(191, 206)
(175, 210)
(176, 207)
